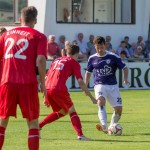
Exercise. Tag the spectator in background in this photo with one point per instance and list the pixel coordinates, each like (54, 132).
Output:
(83, 54)
(140, 41)
(76, 15)
(147, 47)
(2, 30)
(108, 47)
(62, 39)
(90, 45)
(108, 39)
(123, 48)
(128, 45)
(53, 50)
(74, 42)
(64, 50)
(123, 56)
(139, 53)
(132, 49)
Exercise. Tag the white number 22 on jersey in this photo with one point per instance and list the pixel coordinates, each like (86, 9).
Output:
(18, 53)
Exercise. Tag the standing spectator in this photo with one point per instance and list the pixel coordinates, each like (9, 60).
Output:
(19, 83)
(53, 50)
(132, 49)
(60, 70)
(104, 65)
(83, 54)
(108, 39)
(147, 46)
(123, 48)
(62, 42)
(90, 45)
(128, 45)
(76, 15)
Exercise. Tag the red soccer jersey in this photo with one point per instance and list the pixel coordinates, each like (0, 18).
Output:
(60, 70)
(19, 48)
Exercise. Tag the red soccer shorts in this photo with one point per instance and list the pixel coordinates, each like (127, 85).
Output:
(25, 95)
(59, 100)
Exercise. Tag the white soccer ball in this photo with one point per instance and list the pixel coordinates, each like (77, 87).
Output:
(115, 129)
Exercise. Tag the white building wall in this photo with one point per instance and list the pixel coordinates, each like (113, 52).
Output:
(117, 31)
(47, 23)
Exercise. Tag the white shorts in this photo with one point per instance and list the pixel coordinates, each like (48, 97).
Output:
(110, 93)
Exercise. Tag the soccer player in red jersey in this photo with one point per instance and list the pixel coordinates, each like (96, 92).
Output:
(21, 48)
(57, 93)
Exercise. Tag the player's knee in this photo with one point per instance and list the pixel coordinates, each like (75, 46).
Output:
(63, 112)
(101, 101)
(33, 124)
(118, 110)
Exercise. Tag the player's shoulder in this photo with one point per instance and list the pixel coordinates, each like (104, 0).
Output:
(30, 30)
(111, 54)
(93, 56)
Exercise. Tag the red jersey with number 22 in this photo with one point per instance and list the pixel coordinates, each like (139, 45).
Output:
(60, 70)
(19, 48)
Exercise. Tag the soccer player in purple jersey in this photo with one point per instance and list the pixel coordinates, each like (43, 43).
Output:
(103, 65)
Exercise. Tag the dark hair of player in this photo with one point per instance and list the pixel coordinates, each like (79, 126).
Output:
(29, 14)
(99, 40)
(72, 49)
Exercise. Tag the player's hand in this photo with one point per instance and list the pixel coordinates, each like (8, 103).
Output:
(43, 89)
(46, 103)
(126, 82)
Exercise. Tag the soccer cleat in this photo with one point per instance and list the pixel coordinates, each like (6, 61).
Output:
(83, 138)
(101, 128)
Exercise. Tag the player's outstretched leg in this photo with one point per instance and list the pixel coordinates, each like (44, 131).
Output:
(50, 118)
(78, 127)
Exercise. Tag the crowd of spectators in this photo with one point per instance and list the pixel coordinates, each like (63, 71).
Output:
(136, 51)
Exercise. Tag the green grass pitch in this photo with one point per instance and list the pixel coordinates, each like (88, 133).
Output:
(61, 136)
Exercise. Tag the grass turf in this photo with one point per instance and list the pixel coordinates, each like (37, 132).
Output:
(60, 135)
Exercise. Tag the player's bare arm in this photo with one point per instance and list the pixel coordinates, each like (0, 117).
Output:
(87, 92)
(41, 61)
(87, 77)
(125, 70)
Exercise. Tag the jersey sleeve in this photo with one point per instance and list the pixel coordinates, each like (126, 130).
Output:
(77, 70)
(42, 45)
(120, 63)
(89, 66)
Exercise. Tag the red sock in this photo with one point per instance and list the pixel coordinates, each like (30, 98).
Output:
(2, 135)
(50, 118)
(76, 123)
(33, 139)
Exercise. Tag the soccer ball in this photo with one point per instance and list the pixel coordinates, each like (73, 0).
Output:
(115, 129)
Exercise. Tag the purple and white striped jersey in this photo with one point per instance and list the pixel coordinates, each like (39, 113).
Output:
(104, 68)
